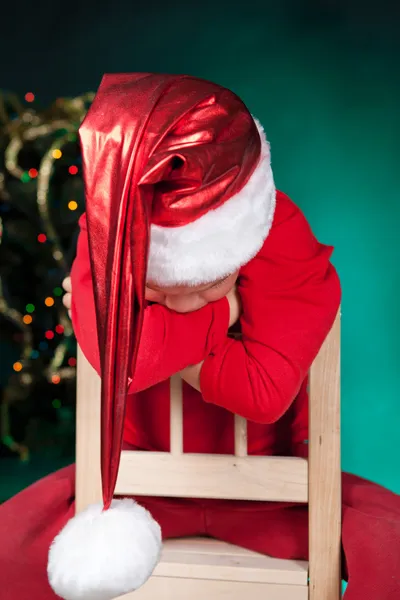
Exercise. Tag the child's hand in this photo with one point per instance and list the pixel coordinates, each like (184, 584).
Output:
(68, 295)
(235, 305)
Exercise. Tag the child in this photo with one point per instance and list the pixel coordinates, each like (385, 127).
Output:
(184, 232)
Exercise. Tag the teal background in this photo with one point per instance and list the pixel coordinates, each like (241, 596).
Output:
(323, 78)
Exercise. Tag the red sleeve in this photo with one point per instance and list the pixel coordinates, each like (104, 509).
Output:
(290, 294)
(170, 341)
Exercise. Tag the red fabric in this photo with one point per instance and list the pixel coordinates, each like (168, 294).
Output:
(290, 294)
(194, 144)
(371, 533)
(162, 149)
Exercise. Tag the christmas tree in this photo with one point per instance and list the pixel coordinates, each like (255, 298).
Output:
(41, 199)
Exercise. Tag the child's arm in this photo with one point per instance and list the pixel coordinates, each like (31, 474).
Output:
(169, 341)
(290, 294)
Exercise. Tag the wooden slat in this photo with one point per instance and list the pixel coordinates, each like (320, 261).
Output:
(240, 436)
(194, 559)
(204, 545)
(88, 483)
(176, 416)
(213, 476)
(170, 588)
(225, 568)
(324, 471)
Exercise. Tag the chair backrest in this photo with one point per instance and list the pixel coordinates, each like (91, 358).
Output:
(177, 474)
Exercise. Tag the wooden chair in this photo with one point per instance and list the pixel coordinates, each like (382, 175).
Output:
(204, 568)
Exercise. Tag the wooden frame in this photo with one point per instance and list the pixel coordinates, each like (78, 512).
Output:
(325, 477)
(240, 476)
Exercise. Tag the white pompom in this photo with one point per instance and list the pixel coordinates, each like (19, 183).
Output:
(100, 555)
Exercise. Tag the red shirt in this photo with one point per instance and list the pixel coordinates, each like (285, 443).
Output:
(290, 296)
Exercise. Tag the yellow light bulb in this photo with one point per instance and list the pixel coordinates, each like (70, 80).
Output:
(72, 205)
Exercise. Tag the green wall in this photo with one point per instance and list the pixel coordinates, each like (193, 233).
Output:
(325, 83)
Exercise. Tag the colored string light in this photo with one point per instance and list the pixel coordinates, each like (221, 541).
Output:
(49, 301)
(27, 319)
(30, 308)
(72, 362)
(26, 126)
(72, 205)
(59, 329)
(17, 367)
(56, 403)
(55, 379)
(49, 335)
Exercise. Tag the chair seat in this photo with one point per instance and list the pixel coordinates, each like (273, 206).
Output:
(201, 567)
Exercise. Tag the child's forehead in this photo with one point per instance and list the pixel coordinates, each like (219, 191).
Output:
(180, 289)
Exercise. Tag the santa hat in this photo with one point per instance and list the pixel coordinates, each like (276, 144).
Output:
(179, 190)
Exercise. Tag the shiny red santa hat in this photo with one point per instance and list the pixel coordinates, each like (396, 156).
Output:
(179, 191)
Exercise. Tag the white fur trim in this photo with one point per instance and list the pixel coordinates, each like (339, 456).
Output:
(220, 241)
(100, 555)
